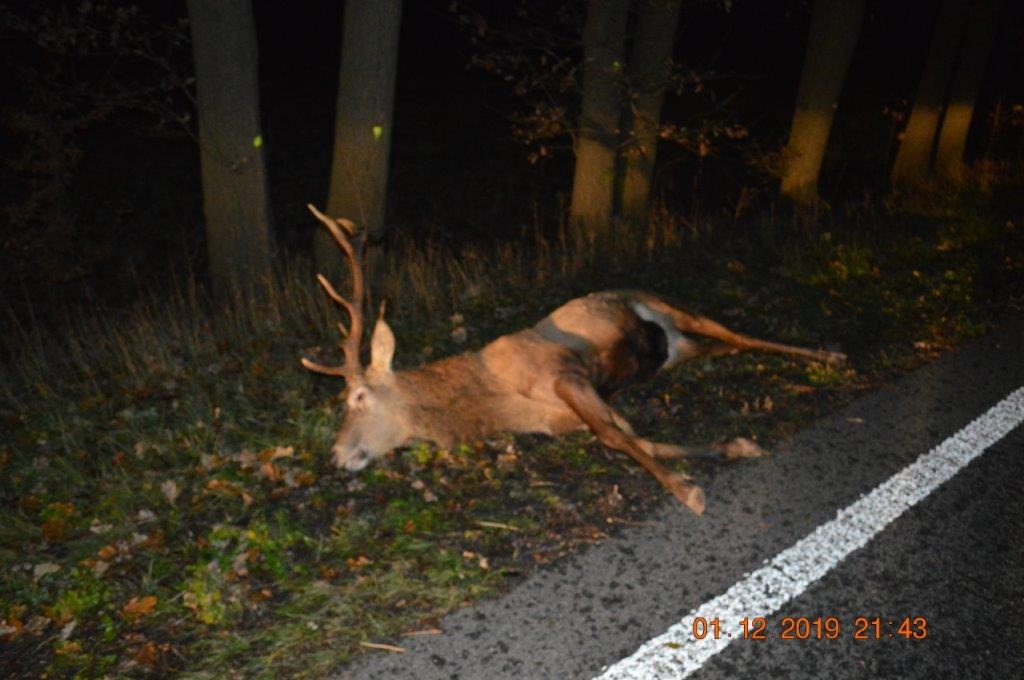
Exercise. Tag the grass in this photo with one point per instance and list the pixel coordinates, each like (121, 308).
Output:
(171, 509)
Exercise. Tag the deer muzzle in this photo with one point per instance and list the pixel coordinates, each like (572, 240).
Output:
(352, 459)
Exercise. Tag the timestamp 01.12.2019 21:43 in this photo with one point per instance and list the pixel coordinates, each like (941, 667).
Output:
(812, 628)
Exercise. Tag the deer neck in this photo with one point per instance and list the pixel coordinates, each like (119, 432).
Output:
(452, 400)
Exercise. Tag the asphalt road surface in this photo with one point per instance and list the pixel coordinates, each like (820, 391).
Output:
(954, 560)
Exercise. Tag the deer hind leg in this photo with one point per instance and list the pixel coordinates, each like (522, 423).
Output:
(584, 400)
(696, 324)
(740, 447)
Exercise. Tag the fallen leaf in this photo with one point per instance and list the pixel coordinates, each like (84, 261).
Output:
(55, 529)
(223, 485)
(170, 490)
(44, 569)
(67, 648)
(136, 608)
(428, 495)
(239, 566)
(36, 624)
(741, 447)
(61, 509)
(300, 478)
(10, 628)
(246, 459)
(147, 654)
(282, 452)
(270, 471)
(30, 503)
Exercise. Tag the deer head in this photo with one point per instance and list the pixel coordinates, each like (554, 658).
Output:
(374, 420)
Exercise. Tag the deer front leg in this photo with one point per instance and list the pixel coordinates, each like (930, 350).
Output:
(656, 449)
(740, 447)
(586, 403)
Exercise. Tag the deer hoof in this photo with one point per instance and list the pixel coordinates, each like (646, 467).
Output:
(697, 501)
(741, 447)
(690, 495)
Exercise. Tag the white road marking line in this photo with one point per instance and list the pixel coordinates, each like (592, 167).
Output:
(676, 653)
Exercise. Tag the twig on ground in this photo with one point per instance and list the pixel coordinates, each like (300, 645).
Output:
(425, 631)
(380, 645)
(496, 525)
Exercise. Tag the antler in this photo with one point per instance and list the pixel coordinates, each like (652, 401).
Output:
(342, 230)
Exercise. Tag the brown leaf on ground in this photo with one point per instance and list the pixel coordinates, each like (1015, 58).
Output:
(359, 562)
(270, 471)
(55, 530)
(170, 489)
(10, 628)
(147, 654)
(223, 485)
(278, 452)
(136, 608)
(44, 569)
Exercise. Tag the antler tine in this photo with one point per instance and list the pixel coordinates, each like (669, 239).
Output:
(334, 295)
(342, 230)
(339, 371)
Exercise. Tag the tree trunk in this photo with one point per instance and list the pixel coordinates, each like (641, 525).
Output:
(835, 26)
(593, 185)
(236, 201)
(362, 121)
(913, 159)
(974, 57)
(648, 69)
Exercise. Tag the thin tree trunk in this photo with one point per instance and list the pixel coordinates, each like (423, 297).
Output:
(974, 57)
(236, 201)
(913, 159)
(362, 122)
(835, 26)
(648, 69)
(593, 185)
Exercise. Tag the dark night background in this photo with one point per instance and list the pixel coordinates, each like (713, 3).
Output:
(165, 469)
(456, 173)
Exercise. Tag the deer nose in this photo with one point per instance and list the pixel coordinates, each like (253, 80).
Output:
(351, 462)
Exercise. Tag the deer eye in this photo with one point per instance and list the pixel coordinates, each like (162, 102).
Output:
(358, 398)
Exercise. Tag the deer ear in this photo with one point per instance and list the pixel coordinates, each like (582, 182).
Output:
(382, 345)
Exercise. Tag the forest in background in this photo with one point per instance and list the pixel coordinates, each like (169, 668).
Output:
(482, 147)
